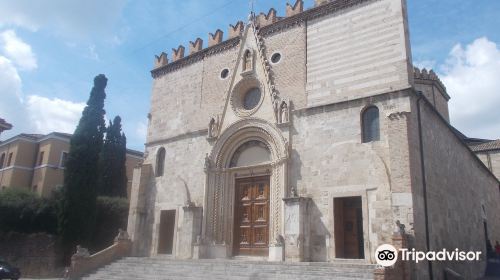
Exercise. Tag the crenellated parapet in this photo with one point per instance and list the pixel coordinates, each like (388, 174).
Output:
(216, 38)
(265, 20)
(266, 23)
(178, 53)
(236, 30)
(195, 46)
(295, 9)
(161, 60)
(429, 76)
(424, 74)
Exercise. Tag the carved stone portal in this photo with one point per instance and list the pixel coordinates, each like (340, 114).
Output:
(219, 200)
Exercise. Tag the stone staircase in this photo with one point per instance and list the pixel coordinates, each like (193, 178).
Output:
(159, 268)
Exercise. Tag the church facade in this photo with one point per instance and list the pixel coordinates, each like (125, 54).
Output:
(307, 137)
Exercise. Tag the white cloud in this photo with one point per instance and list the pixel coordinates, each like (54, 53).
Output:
(33, 114)
(11, 104)
(141, 131)
(50, 115)
(71, 19)
(472, 78)
(93, 53)
(17, 51)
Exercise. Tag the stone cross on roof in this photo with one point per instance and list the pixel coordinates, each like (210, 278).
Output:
(251, 15)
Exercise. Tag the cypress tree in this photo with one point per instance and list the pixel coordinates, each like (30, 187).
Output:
(78, 202)
(113, 178)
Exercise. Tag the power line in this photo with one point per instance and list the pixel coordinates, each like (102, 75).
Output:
(191, 22)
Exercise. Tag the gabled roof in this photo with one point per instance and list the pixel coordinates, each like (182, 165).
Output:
(486, 146)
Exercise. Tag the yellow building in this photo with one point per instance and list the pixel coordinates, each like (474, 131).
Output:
(36, 162)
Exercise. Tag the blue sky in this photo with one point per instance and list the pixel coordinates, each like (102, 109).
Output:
(51, 50)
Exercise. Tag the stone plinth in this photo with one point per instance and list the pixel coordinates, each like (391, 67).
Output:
(189, 231)
(296, 228)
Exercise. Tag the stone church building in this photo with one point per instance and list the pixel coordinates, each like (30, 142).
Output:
(308, 137)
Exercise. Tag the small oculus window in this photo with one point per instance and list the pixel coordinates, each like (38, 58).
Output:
(275, 58)
(224, 74)
(251, 98)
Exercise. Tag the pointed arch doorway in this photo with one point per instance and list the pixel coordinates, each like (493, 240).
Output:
(246, 179)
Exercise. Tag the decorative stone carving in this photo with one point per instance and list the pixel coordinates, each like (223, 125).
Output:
(284, 114)
(220, 176)
(280, 241)
(296, 228)
(81, 252)
(213, 127)
(247, 61)
(276, 107)
(122, 235)
(293, 192)
(400, 228)
(208, 162)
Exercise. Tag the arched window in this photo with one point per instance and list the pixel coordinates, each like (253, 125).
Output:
(370, 124)
(2, 159)
(250, 153)
(160, 162)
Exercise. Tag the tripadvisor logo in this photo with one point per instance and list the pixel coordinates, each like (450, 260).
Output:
(387, 255)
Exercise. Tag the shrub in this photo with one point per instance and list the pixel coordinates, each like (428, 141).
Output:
(112, 214)
(25, 212)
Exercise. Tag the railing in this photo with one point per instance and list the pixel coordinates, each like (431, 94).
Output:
(83, 263)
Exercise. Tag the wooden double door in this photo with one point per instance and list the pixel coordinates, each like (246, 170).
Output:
(251, 224)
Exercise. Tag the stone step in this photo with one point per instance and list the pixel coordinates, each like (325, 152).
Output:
(161, 268)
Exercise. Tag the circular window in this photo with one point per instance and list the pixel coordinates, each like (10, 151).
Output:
(246, 97)
(251, 98)
(275, 58)
(224, 73)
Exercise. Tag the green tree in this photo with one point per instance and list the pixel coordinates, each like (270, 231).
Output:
(113, 177)
(77, 208)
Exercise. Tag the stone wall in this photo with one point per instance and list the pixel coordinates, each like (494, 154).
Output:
(36, 255)
(290, 72)
(461, 192)
(183, 180)
(433, 91)
(357, 53)
(328, 160)
(343, 57)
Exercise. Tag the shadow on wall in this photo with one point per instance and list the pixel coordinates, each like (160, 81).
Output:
(318, 235)
(295, 170)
